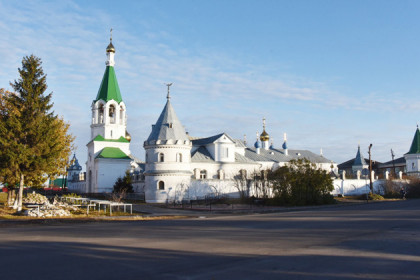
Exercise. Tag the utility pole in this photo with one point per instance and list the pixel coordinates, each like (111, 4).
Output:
(393, 163)
(370, 169)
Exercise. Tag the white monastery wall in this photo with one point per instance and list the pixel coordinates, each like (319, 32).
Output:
(355, 187)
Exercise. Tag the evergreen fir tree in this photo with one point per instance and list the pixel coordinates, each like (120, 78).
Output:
(34, 141)
(124, 184)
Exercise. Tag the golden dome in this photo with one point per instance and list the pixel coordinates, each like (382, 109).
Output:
(110, 48)
(264, 136)
(127, 136)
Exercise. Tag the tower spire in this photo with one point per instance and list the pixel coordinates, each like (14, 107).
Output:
(168, 96)
(110, 52)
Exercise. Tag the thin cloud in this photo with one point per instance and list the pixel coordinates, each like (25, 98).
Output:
(213, 91)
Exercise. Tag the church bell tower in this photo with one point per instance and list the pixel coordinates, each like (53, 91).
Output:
(109, 147)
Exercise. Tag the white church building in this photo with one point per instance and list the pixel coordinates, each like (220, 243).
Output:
(177, 165)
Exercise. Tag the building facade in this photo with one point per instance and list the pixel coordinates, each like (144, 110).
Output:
(179, 166)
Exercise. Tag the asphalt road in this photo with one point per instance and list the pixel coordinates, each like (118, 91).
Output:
(370, 241)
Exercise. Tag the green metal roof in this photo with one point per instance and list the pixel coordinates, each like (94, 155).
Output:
(109, 89)
(59, 182)
(109, 152)
(99, 138)
(415, 145)
(121, 139)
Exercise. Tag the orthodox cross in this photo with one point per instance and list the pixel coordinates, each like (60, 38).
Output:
(110, 31)
(168, 85)
(264, 123)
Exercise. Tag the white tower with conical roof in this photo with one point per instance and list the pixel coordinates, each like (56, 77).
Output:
(108, 109)
(109, 147)
(168, 157)
(412, 158)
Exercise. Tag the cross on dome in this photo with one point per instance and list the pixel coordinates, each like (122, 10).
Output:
(264, 135)
(110, 47)
(168, 96)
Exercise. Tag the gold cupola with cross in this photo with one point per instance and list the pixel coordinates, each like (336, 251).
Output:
(264, 137)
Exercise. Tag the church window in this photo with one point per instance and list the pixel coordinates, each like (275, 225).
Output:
(203, 174)
(161, 185)
(101, 113)
(413, 165)
(111, 114)
(170, 125)
(221, 174)
(227, 152)
(121, 115)
(161, 157)
(179, 157)
(243, 174)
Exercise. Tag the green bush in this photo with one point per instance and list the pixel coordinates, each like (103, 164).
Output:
(300, 183)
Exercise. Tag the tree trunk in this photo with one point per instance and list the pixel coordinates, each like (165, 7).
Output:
(11, 194)
(20, 193)
(9, 197)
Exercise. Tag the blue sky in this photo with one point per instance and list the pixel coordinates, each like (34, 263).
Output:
(331, 74)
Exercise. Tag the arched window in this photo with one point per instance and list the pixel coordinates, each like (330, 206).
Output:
(101, 114)
(179, 157)
(111, 114)
(221, 174)
(243, 174)
(161, 185)
(121, 115)
(203, 174)
(161, 157)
